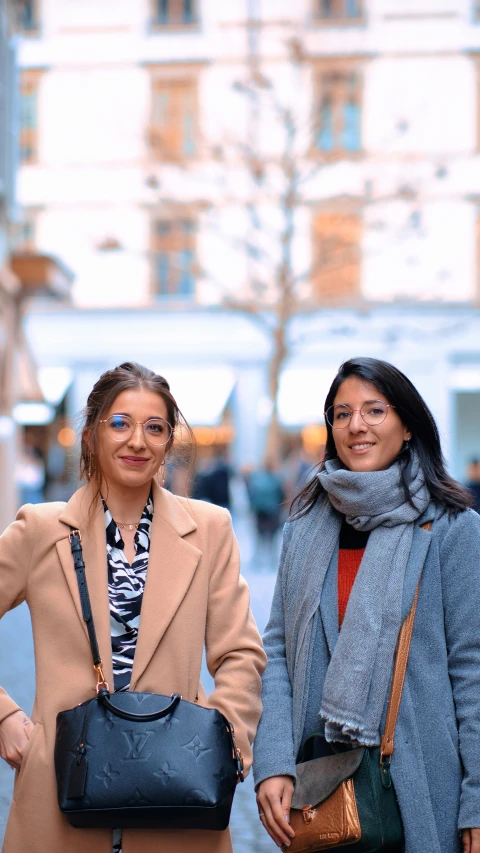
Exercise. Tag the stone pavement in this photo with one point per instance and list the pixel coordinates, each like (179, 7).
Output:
(17, 677)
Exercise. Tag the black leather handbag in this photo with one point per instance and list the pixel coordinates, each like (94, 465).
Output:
(142, 759)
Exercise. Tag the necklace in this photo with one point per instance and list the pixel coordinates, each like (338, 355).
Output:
(126, 526)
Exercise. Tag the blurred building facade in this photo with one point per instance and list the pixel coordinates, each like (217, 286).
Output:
(142, 147)
(23, 279)
(8, 283)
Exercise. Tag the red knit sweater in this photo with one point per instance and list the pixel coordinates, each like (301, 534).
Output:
(351, 550)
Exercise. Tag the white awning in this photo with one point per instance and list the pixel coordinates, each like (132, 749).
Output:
(33, 414)
(54, 383)
(466, 378)
(201, 392)
(302, 395)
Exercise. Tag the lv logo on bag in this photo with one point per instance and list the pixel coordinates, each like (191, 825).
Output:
(137, 742)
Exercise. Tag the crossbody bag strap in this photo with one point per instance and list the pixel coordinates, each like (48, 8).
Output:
(399, 670)
(76, 546)
(103, 689)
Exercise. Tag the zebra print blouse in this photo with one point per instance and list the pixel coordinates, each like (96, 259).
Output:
(125, 591)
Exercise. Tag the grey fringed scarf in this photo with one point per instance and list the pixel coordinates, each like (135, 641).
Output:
(358, 675)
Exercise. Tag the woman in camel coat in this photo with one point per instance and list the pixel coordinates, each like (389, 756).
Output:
(194, 598)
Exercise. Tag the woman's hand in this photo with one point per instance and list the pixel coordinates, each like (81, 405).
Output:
(274, 797)
(15, 732)
(471, 840)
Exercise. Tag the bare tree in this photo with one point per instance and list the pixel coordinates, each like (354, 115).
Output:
(273, 197)
(277, 291)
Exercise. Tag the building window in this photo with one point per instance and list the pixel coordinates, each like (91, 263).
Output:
(336, 256)
(173, 13)
(334, 12)
(338, 110)
(174, 127)
(174, 257)
(27, 16)
(29, 86)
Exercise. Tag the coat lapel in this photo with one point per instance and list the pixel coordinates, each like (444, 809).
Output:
(92, 528)
(171, 567)
(418, 554)
(172, 564)
(329, 603)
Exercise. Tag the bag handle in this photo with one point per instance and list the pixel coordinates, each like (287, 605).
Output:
(104, 698)
(399, 670)
(103, 690)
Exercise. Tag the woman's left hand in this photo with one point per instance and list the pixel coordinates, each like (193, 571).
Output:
(471, 840)
(15, 731)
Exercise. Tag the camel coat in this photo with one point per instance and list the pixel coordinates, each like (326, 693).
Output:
(194, 598)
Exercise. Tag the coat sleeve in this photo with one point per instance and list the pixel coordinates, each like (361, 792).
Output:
(460, 563)
(16, 546)
(273, 748)
(233, 646)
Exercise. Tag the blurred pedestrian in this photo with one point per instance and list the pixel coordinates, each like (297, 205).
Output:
(161, 568)
(30, 476)
(381, 519)
(473, 483)
(266, 494)
(61, 479)
(212, 483)
(298, 468)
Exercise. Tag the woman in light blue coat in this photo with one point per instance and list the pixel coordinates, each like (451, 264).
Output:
(354, 550)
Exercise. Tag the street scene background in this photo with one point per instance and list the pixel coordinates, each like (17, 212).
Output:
(240, 195)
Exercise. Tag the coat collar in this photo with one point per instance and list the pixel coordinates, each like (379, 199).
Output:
(329, 603)
(76, 512)
(172, 564)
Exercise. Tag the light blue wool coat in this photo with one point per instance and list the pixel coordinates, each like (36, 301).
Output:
(436, 762)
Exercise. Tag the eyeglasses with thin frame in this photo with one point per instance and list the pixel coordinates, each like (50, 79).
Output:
(373, 413)
(157, 431)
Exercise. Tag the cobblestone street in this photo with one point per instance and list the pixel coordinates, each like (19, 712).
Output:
(17, 676)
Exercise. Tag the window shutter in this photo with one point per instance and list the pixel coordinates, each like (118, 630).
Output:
(336, 256)
(339, 109)
(173, 249)
(174, 119)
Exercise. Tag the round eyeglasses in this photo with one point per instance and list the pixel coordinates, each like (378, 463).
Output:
(372, 412)
(121, 428)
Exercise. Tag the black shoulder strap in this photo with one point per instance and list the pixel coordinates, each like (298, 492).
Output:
(76, 546)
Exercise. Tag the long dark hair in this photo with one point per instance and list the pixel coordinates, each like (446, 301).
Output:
(415, 415)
